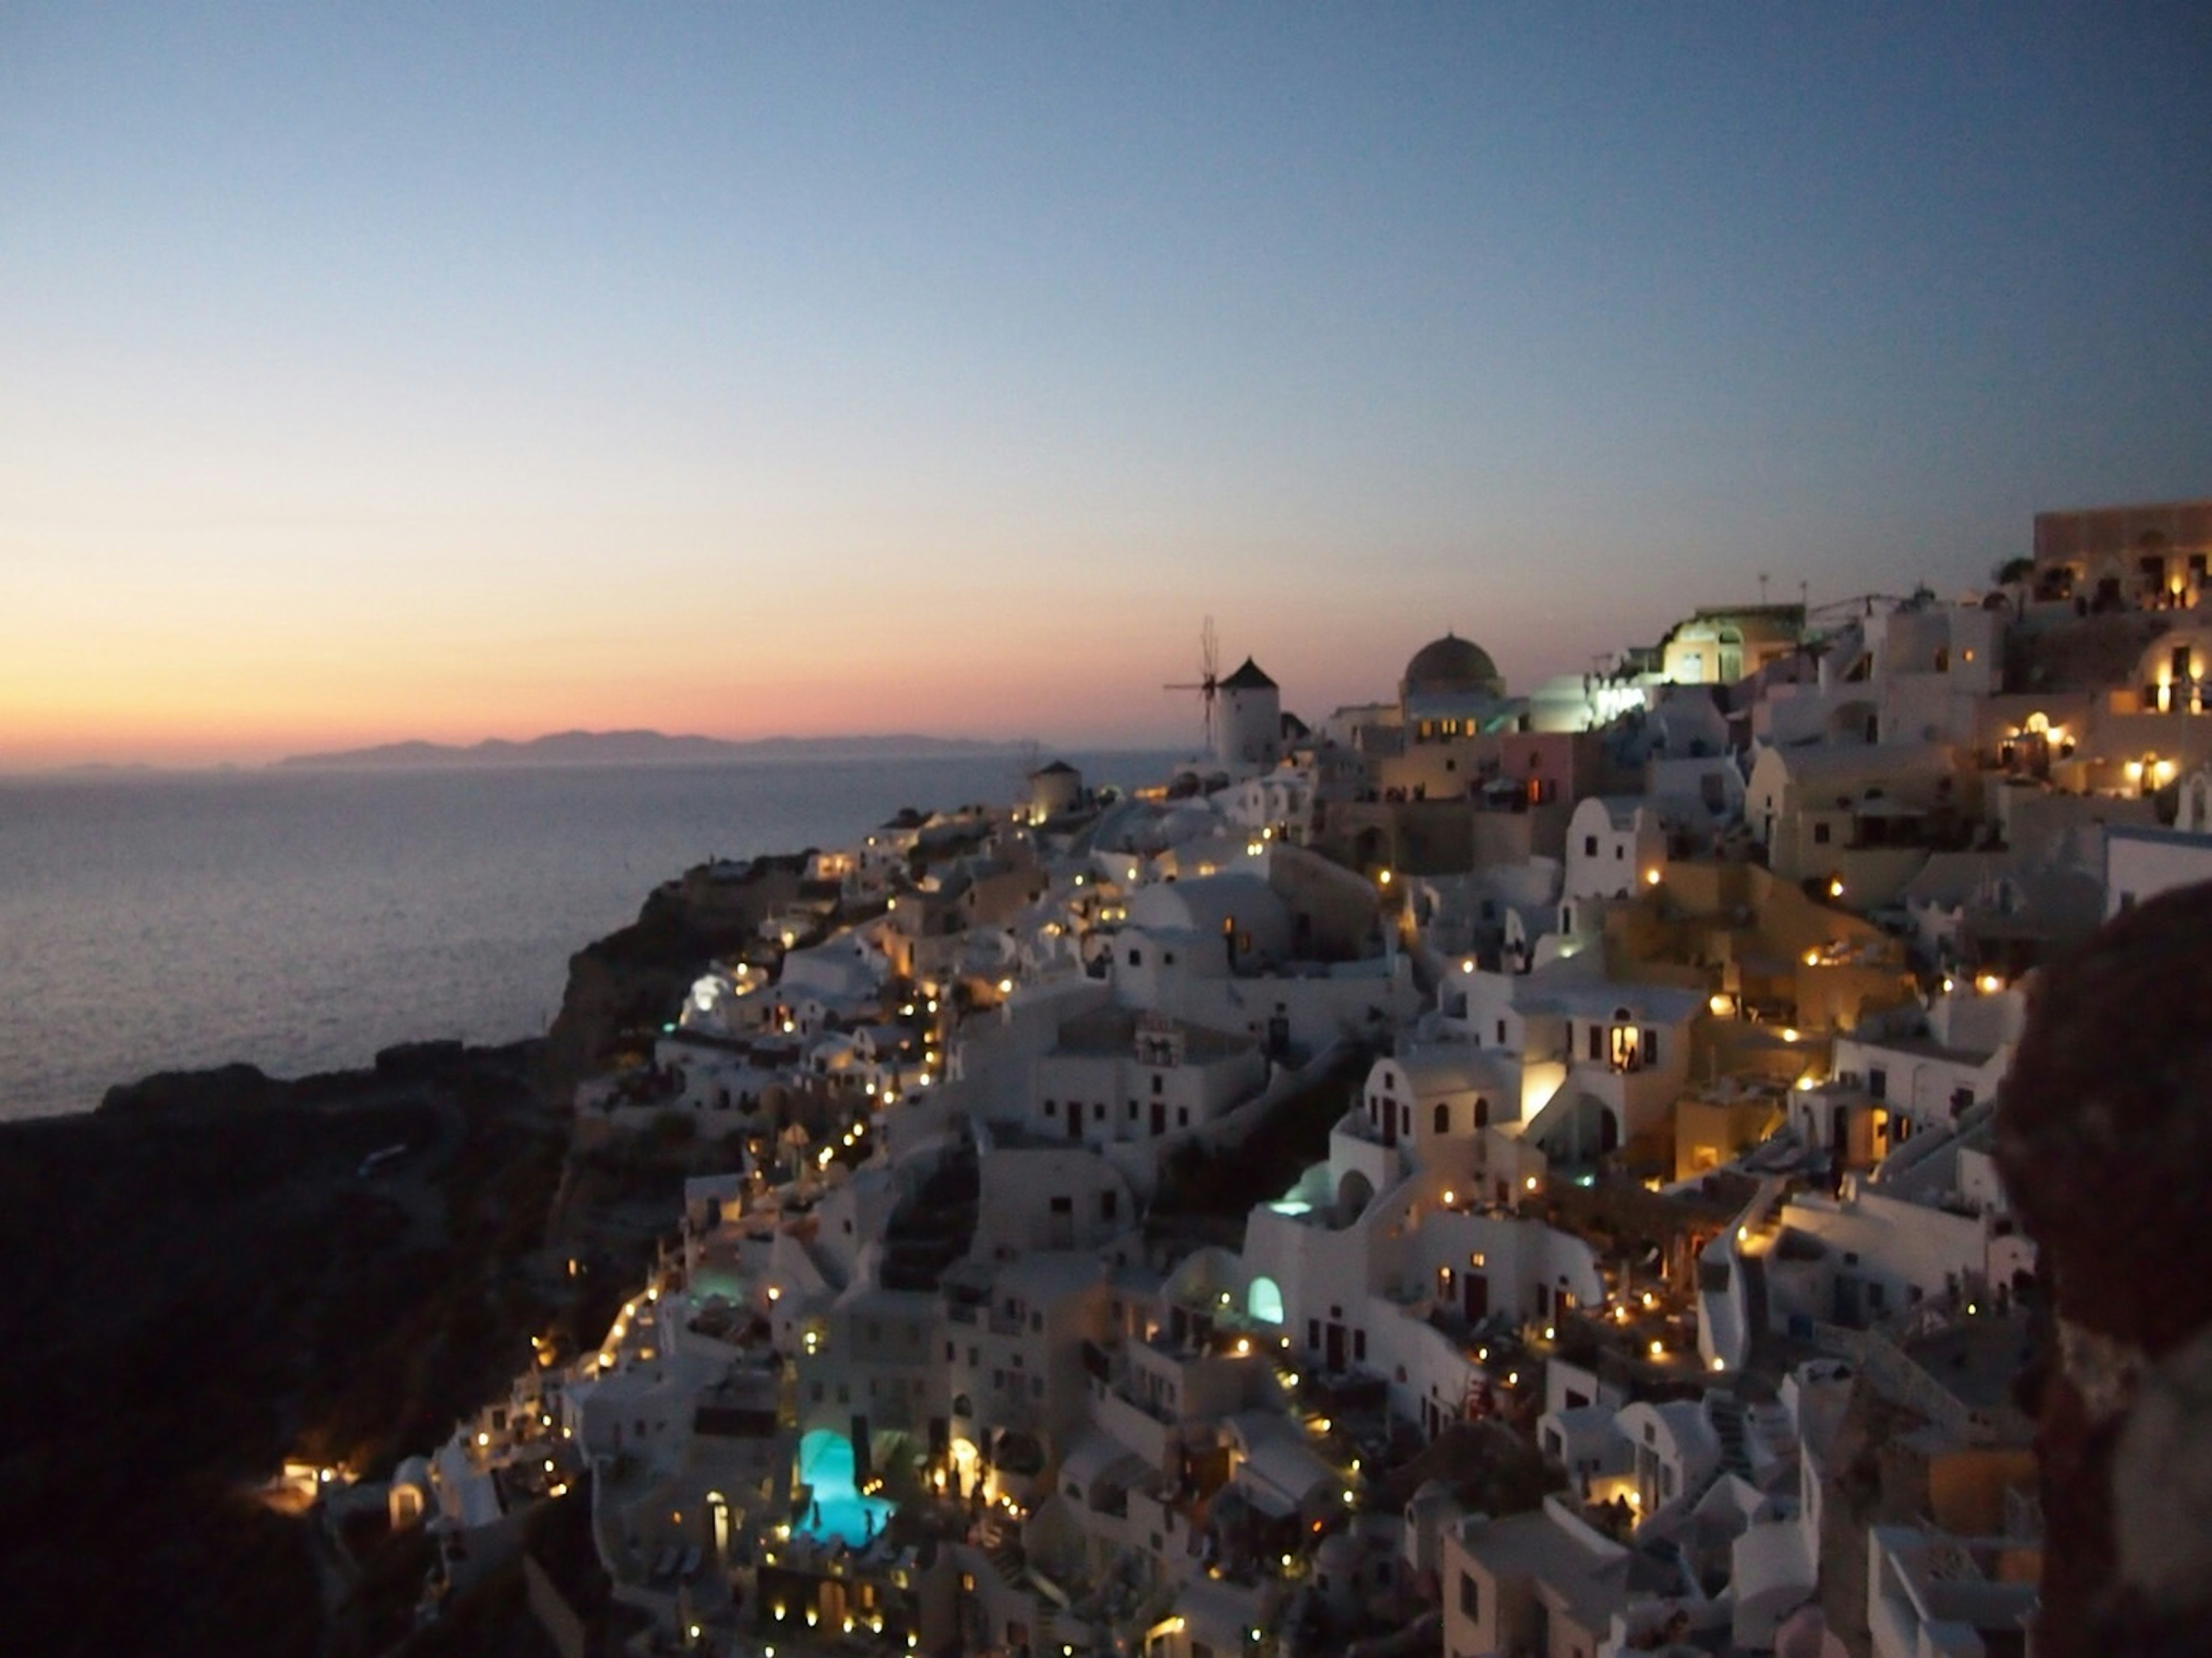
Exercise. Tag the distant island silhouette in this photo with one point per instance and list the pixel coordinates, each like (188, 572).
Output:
(639, 748)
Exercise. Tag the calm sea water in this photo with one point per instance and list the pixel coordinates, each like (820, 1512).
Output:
(300, 920)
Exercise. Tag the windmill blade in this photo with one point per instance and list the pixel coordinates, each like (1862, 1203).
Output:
(1208, 683)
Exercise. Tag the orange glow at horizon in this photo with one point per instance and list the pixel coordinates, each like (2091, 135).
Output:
(247, 650)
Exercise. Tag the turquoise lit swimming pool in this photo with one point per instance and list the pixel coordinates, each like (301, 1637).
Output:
(826, 1462)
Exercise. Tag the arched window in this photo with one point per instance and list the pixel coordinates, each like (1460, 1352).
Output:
(1264, 1301)
(1443, 1117)
(1481, 1112)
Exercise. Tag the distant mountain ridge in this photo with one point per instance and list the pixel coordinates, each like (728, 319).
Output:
(637, 748)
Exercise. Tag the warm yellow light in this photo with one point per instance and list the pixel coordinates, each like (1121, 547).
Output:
(1812, 958)
(1988, 984)
(1551, 1332)
(1789, 1033)
(1651, 878)
(1530, 1183)
(1384, 878)
(774, 1293)
(1719, 1363)
(1658, 1349)
(1005, 987)
(1743, 1235)
(1467, 966)
(1719, 1004)
(1835, 888)
(1450, 1198)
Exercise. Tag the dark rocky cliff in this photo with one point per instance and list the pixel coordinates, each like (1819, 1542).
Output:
(624, 987)
(214, 1273)
(210, 1275)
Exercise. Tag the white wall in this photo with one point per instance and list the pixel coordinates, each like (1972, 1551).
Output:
(2140, 866)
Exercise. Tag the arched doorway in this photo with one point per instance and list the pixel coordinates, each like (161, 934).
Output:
(1264, 1300)
(1353, 1193)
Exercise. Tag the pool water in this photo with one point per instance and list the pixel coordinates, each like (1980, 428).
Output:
(826, 1462)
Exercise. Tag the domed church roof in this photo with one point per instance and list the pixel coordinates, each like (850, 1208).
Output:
(1451, 666)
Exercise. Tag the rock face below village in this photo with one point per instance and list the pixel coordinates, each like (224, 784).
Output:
(209, 1275)
(632, 981)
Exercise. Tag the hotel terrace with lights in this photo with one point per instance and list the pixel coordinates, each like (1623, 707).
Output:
(1469, 1173)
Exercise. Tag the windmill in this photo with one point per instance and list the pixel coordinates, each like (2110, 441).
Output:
(1209, 680)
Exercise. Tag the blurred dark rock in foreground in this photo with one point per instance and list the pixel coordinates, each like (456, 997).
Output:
(2104, 1140)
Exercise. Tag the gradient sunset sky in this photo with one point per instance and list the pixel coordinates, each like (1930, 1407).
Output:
(463, 370)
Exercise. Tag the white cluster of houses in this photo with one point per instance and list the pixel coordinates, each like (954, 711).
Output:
(1645, 1261)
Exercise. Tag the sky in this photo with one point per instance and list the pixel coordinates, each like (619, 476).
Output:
(451, 372)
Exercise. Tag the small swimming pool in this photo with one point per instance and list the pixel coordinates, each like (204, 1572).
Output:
(838, 1509)
(711, 1282)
